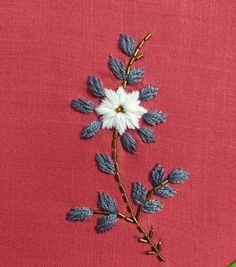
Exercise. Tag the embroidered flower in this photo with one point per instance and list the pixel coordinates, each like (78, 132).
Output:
(120, 110)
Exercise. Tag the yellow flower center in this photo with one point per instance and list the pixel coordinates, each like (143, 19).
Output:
(121, 108)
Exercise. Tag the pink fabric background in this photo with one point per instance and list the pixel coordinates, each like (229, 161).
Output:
(47, 50)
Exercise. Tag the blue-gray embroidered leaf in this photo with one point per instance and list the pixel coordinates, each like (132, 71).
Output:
(105, 163)
(107, 203)
(139, 193)
(79, 214)
(106, 223)
(91, 129)
(155, 117)
(147, 135)
(95, 86)
(126, 44)
(165, 191)
(118, 68)
(148, 93)
(158, 175)
(82, 105)
(135, 76)
(152, 206)
(178, 176)
(128, 143)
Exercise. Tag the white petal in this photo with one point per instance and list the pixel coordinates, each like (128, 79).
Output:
(108, 122)
(112, 97)
(122, 95)
(133, 120)
(105, 107)
(121, 91)
(132, 98)
(129, 125)
(131, 104)
(120, 123)
(136, 110)
(140, 110)
(101, 110)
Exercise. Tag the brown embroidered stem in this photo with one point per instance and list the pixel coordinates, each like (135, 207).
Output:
(149, 195)
(158, 186)
(118, 176)
(155, 249)
(135, 57)
(101, 212)
(119, 214)
(148, 239)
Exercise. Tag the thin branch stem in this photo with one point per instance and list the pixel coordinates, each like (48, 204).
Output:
(119, 214)
(101, 212)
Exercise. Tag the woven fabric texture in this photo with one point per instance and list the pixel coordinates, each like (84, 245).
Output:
(48, 48)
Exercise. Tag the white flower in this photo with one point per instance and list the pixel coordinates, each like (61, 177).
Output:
(120, 110)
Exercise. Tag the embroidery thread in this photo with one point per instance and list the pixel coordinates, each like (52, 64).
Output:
(122, 111)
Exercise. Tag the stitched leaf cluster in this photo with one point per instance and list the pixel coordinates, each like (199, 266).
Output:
(178, 176)
(152, 206)
(127, 44)
(139, 195)
(135, 76)
(79, 214)
(165, 191)
(105, 163)
(158, 176)
(118, 68)
(129, 143)
(147, 135)
(155, 117)
(108, 204)
(95, 86)
(91, 129)
(83, 105)
(106, 223)
(148, 93)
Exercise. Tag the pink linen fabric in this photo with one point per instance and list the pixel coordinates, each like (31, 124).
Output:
(47, 50)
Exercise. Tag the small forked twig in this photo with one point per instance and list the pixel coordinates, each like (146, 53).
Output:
(136, 56)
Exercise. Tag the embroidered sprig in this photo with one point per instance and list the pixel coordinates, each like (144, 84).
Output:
(122, 111)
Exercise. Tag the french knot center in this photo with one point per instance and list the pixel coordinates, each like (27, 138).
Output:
(121, 109)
